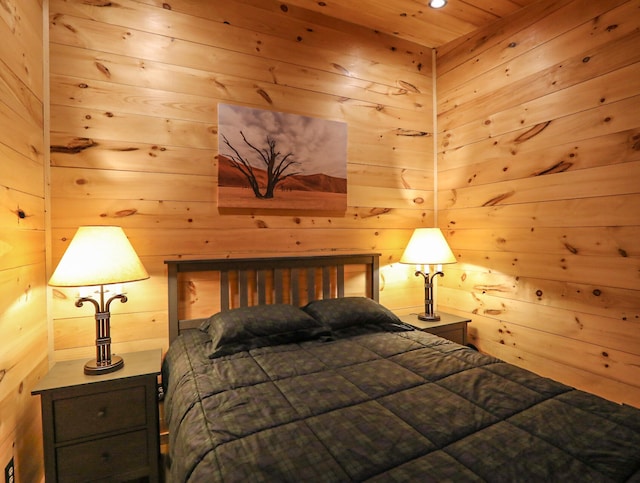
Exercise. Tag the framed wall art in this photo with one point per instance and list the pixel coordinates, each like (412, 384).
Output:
(274, 160)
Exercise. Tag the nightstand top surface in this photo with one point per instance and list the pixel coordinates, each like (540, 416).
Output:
(71, 373)
(445, 319)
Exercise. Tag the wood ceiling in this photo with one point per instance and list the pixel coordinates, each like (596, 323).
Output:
(414, 20)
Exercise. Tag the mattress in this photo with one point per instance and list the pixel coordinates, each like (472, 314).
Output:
(361, 397)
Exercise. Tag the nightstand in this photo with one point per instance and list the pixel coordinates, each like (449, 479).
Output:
(451, 327)
(102, 427)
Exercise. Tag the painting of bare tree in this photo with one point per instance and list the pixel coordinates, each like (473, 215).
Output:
(275, 160)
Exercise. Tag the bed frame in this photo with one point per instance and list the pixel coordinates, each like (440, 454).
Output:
(256, 281)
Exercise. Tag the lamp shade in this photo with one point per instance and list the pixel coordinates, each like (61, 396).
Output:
(98, 255)
(427, 246)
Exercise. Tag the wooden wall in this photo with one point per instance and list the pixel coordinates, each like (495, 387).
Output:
(539, 192)
(23, 307)
(134, 92)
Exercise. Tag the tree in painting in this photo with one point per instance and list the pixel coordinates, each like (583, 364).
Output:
(278, 167)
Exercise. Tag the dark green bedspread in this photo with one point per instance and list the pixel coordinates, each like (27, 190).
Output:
(384, 406)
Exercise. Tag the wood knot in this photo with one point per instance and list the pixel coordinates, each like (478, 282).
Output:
(534, 131)
(494, 201)
(340, 69)
(75, 146)
(124, 213)
(264, 95)
(559, 167)
(377, 212)
(102, 68)
(408, 86)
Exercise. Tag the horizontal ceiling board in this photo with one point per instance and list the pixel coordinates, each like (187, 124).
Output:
(414, 20)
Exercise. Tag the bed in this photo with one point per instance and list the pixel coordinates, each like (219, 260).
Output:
(295, 378)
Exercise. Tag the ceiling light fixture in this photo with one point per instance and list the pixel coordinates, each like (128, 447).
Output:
(437, 3)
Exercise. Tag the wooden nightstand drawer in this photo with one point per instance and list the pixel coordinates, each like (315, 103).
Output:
(456, 334)
(99, 413)
(104, 457)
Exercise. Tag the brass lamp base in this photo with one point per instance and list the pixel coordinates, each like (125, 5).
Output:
(429, 317)
(94, 368)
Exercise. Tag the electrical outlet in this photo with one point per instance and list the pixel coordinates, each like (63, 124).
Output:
(10, 473)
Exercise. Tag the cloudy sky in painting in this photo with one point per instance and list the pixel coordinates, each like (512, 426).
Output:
(320, 146)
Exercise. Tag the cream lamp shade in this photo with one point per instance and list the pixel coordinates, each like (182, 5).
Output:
(98, 255)
(427, 246)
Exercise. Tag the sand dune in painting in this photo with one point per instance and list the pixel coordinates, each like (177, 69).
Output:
(228, 176)
(302, 192)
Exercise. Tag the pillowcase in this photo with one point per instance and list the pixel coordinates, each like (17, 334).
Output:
(347, 311)
(247, 328)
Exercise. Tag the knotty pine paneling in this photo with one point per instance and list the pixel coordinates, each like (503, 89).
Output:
(412, 20)
(134, 93)
(538, 194)
(615, 390)
(565, 32)
(23, 304)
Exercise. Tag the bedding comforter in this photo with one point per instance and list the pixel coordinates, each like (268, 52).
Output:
(376, 402)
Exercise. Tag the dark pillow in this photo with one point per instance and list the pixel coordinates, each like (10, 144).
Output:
(345, 312)
(258, 326)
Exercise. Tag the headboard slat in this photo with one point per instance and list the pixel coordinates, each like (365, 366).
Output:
(243, 288)
(262, 287)
(224, 290)
(311, 283)
(278, 284)
(326, 282)
(340, 281)
(295, 286)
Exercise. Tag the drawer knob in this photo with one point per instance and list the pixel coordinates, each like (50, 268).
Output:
(105, 457)
(102, 412)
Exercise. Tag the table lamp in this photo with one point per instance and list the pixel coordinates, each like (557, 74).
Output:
(427, 246)
(99, 256)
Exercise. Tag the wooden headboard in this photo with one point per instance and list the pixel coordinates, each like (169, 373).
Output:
(256, 281)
